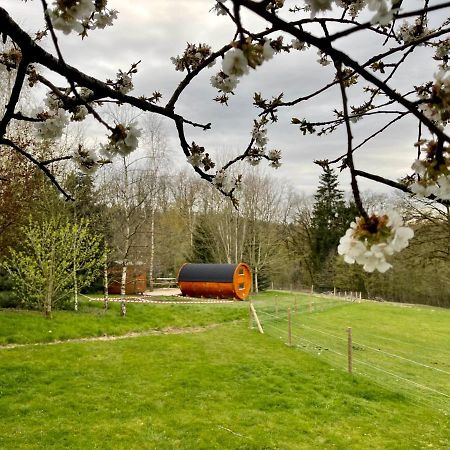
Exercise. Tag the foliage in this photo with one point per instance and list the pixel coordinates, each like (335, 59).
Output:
(42, 271)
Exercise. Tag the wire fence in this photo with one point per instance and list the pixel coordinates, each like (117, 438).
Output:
(420, 373)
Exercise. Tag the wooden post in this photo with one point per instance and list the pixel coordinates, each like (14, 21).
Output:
(334, 291)
(255, 316)
(289, 328)
(312, 289)
(349, 350)
(360, 295)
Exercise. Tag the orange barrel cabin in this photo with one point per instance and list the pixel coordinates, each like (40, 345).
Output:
(215, 280)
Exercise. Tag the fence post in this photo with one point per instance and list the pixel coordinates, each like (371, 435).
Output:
(349, 350)
(258, 323)
(289, 328)
(334, 291)
(312, 289)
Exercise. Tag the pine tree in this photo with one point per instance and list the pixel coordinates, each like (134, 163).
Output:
(201, 245)
(330, 219)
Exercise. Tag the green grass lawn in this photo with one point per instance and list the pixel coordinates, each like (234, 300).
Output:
(21, 327)
(227, 387)
(404, 347)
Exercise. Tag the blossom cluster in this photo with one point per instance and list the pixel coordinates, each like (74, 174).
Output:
(409, 33)
(86, 159)
(384, 12)
(258, 151)
(52, 125)
(437, 107)
(200, 158)
(432, 172)
(124, 83)
(222, 181)
(238, 61)
(193, 56)
(370, 241)
(122, 141)
(81, 15)
(226, 183)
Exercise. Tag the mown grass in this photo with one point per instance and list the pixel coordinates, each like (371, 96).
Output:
(226, 388)
(405, 347)
(21, 327)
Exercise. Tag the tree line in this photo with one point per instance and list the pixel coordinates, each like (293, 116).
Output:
(140, 211)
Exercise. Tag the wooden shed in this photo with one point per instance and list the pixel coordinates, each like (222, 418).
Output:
(136, 279)
(215, 280)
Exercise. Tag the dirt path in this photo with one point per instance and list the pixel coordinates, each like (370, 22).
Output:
(133, 334)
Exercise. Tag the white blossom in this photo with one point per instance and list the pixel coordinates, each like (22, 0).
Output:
(86, 159)
(80, 113)
(268, 50)
(423, 190)
(224, 83)
(298, 45)
(318, 5)
(323, 58)
(369, 243)
(195, 159)
(260, 137)
(235, 63)
(444, 187)
(53, 127)
(274, 156)
(384, 12)
(124, 82)
(122, 141)
(104, 19)
(68, 18)
(222, 181)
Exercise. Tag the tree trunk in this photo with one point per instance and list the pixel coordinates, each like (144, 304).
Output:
(123, 285)
(49, 294)
(105, 279)
(152, 251)
(255, 279)
(75, 287)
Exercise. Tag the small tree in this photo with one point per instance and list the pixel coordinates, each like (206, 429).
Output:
(53, 252)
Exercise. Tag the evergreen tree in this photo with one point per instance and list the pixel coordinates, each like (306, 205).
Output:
(330, 219)
(201, 245)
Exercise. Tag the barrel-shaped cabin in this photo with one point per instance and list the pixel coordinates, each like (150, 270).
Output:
(215, 280)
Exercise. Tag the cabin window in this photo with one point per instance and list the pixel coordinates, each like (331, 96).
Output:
(241, 271)
(241, 286)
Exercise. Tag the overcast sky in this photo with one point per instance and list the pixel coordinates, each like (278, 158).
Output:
(153, 31)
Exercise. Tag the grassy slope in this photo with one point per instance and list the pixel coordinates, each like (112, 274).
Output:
(225, 388)
(21, 327)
